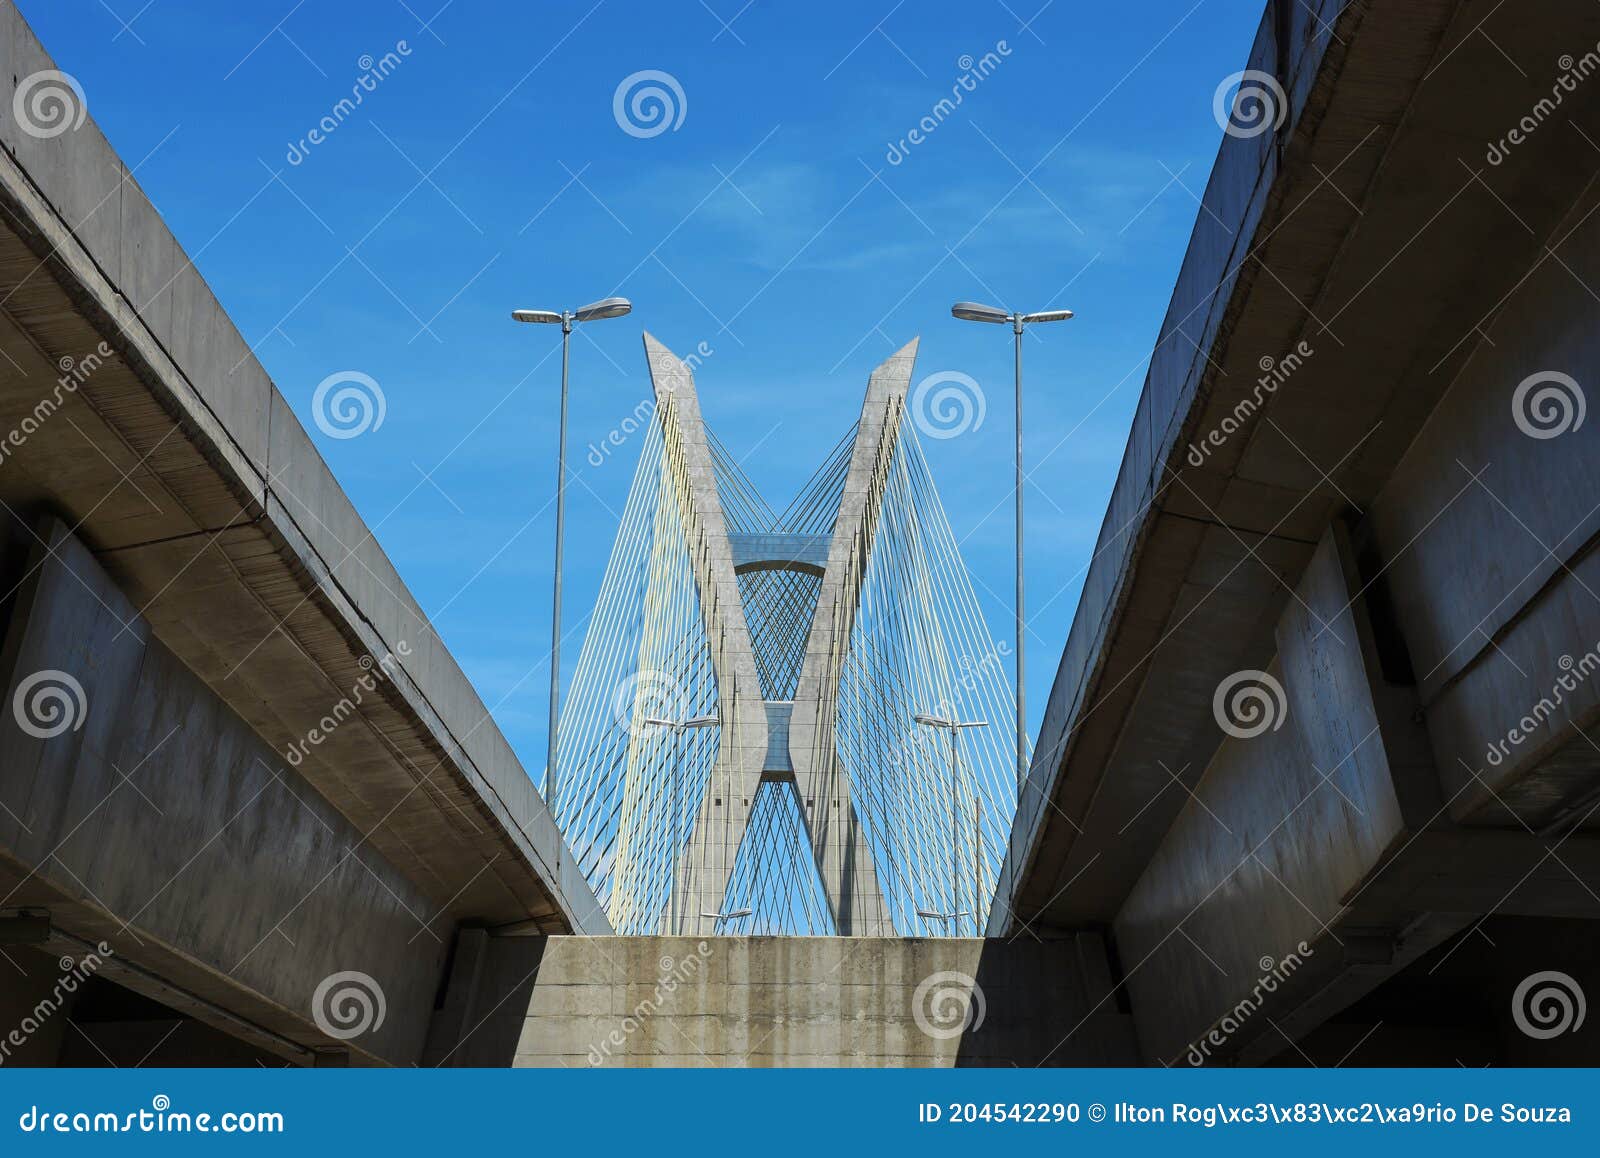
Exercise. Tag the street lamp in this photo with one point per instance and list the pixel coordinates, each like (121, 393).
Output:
(678, 728)
(933, 915)
(593, 312)
(976, 312)
(733, 916)
(953, 726)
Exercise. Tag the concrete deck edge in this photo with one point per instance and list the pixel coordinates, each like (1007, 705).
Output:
(47, 185)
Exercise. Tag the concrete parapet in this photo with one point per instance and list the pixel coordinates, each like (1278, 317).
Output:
(784, 1001)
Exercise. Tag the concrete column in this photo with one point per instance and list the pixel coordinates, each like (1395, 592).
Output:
(821, 778)
(708, 858)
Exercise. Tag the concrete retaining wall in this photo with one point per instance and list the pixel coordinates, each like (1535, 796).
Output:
(779, 1001)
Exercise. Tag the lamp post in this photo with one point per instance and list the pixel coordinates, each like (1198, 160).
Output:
(593, 312)
(975, 312)
(678, 728)
(934, 915)
(717, 918)
(956, 913)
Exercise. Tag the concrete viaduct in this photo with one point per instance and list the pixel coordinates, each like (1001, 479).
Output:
(1360, 489)
(1314, 783)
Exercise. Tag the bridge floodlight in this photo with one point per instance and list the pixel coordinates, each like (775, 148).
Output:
(976, 312)
(941, 722)
(602, 309)
(953, 727)
(678, 727)
(1046, 316)
(548, 317)
(695, 722)
(733, 916)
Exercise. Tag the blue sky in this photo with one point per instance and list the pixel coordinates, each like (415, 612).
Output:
(488, 171)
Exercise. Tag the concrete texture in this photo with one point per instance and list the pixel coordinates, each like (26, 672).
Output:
(1475, 496)
(1283, 832)
(737, 1001)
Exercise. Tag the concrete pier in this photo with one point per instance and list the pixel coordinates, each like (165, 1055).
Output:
(780, 1001)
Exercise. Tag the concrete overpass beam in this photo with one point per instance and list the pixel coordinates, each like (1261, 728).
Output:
(139, 811)
(1247, 908)
(1487, 534)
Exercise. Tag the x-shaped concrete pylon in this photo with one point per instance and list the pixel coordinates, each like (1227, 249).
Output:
(780, 742)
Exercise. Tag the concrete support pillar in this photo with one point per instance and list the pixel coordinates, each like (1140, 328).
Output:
(707, 861)
(820, 779)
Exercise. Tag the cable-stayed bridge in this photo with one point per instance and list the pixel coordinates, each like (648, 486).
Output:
(741, 751)
(235, 752)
